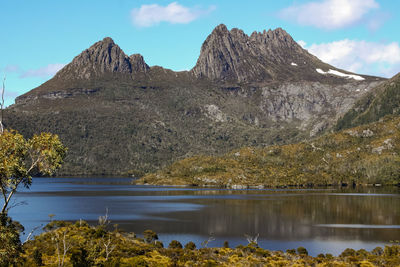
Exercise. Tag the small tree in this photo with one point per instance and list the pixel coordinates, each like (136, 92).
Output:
(175, 244)
(190, 246)
(21, 158)
(10, 244)
(150, 236)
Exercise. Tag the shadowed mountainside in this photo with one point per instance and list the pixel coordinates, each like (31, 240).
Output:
(367, 154)
(382, 101)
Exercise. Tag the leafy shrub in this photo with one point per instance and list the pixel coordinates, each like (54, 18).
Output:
(302, 251)
(175, 244)
(80, 258)
(348, 252)
(150, 236)
(10, 248)
(378, 251)
(190, 245)
(226, 244)
(37, 257)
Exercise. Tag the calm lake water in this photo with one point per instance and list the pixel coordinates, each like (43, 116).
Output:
(321, 220)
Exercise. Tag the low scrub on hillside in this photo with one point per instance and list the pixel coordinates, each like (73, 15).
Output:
(385, 100)
(367, 154)
(78, 244)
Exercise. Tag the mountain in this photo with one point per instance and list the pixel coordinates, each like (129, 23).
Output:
(367, 154)
(374, 105)
(119, 116)
(270, 55)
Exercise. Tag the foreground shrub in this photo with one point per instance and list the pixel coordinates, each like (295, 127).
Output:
(82, 246)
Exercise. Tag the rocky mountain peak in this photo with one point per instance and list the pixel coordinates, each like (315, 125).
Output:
(234, 56)
(220, 29)
(220, 55)
(277, 37)
(107, 40)
(138, 64)
(103, 57)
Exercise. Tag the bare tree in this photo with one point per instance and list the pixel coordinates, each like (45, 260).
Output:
(109, 247)
(206, 242)
(66, 246)
(31, 233)
(103, 220)
(252, 240)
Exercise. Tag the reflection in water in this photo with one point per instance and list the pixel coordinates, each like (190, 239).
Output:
(359, 226)
(321, 220)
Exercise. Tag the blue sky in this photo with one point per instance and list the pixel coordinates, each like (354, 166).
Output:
(39, 37)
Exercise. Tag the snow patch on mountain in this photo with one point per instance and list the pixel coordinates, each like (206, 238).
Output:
(341, 74)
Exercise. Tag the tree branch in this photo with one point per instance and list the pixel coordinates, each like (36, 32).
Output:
(30, 234)
(3, 210)
(33, 165)
(7, 200)
(4, 193)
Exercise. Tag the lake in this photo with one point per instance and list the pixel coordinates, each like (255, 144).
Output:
(321, 220)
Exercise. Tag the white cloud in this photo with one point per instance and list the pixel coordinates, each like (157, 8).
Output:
(49, 70)
(360, 56)
(329, 14)
(302, 43)
(149, 15)
(12, 68)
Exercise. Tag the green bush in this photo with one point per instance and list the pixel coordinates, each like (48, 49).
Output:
(302, 251)
(190, 245)
(11, 247)
(348, 252)
(175, 244)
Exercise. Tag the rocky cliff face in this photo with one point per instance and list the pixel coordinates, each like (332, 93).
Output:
(313, 106)
(102, 57)
(138, 64)
(119, 116)
(270, 55)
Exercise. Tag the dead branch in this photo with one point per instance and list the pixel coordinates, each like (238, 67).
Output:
(31, 233)
(252, 240)
(65, 245)
(206, 242)
(103, 220)
(109, 247)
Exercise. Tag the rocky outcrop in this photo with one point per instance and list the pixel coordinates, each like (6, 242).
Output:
(315, 105)
(103, 57)
(62, 94)
(138, 64)
(270, 55)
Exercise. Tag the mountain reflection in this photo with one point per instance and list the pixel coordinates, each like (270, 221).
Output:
(283, 217)
(288, 215)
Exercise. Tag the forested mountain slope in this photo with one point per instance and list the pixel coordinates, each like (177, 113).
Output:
(368, 154)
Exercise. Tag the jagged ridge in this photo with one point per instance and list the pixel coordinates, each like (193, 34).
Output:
(263, 56)
(103, 57)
